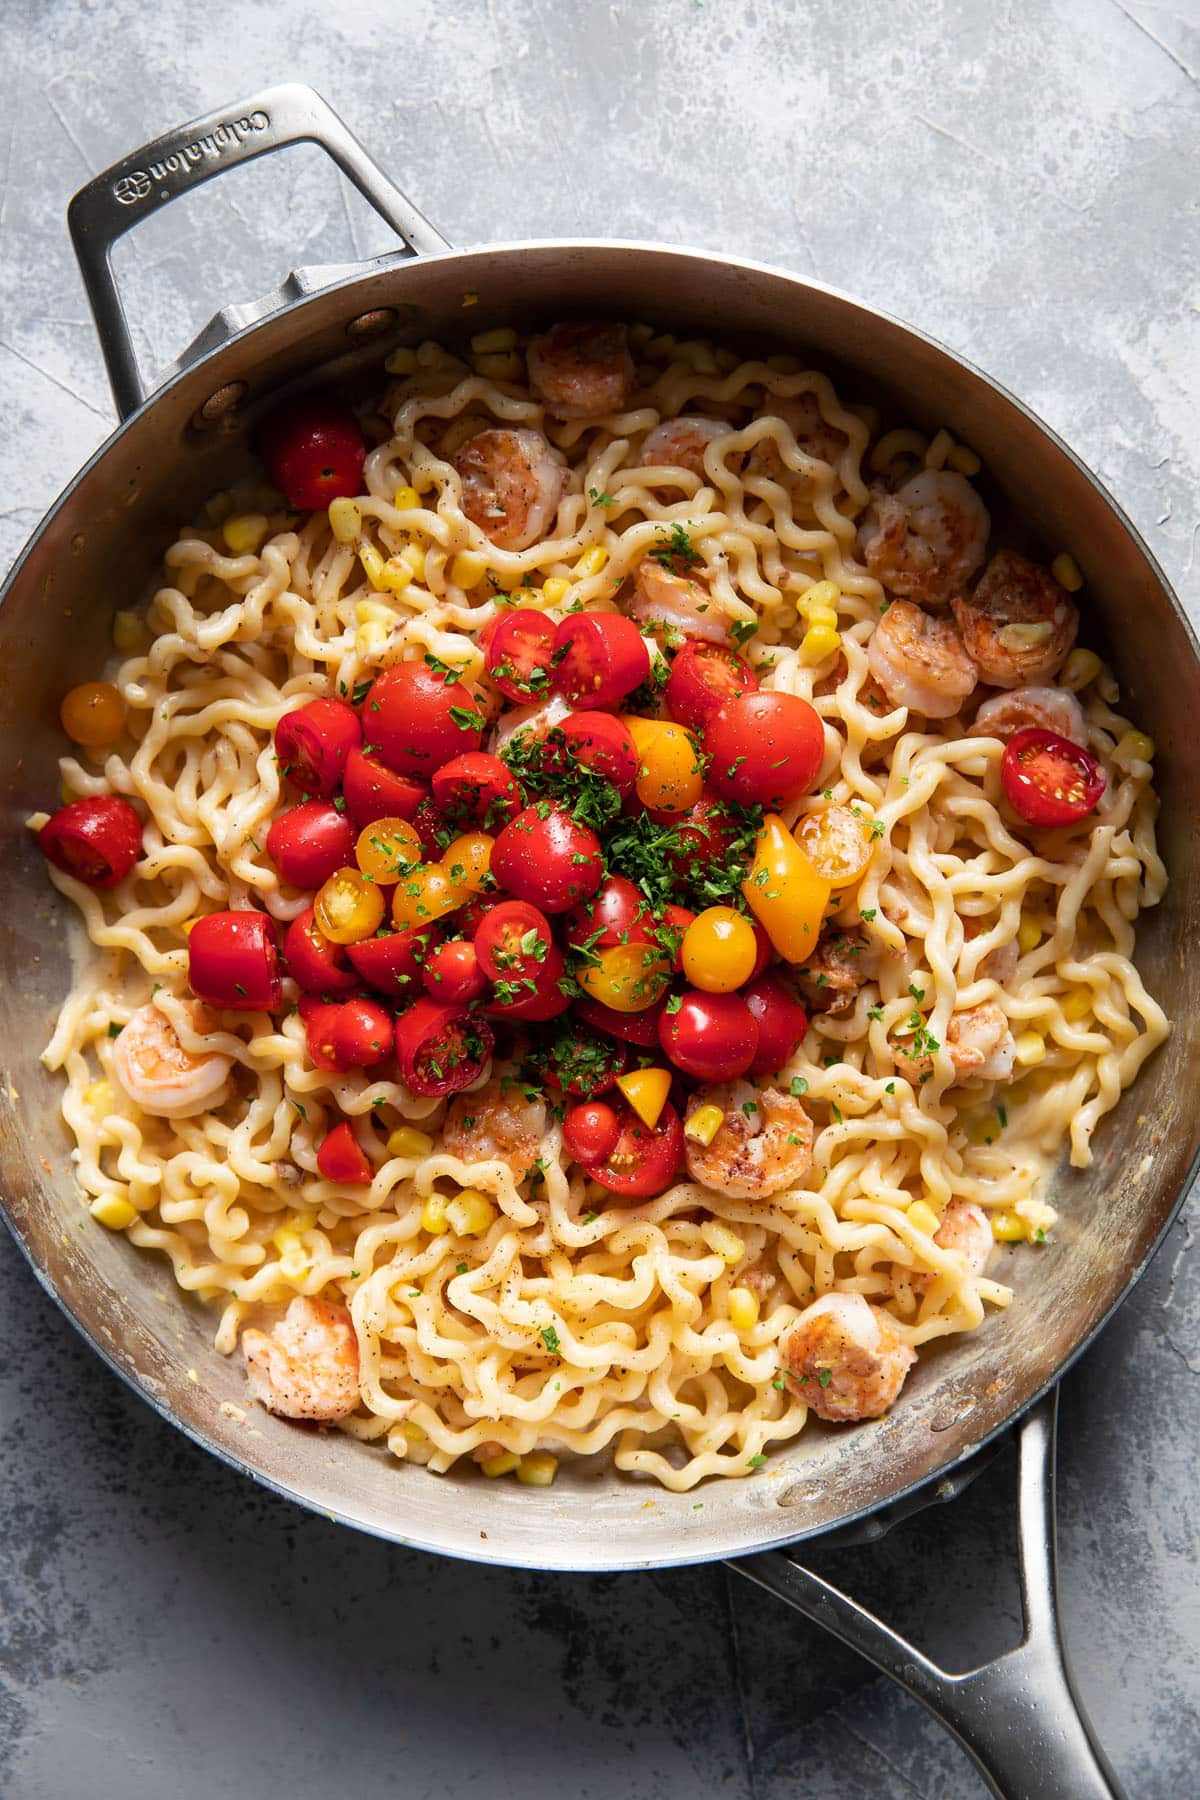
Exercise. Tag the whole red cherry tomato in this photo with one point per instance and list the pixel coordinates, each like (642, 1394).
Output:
(1049, 780)
(544, 857)
(97, 841)
(311, 841)
(599, 742)
(640, 1028)
(618, 911)
(313, 962)
(394, 963)
(341, 1158)
(313, 451)
(703, 677)
(703, 834)
(233, 961)
(599, 658)
(766, 748)
(642, 1162)
(452, 973)
(711, 1036)
(590, 1132)
(578, 1060)
(517, 648)
(512, 941)
(313, 743)
(441, 1049)
(418, 721)
(476, 789)
(373, 791)
(360, 1033)
(781, 1020)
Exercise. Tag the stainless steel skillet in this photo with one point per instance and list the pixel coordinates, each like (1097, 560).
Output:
(98, 547)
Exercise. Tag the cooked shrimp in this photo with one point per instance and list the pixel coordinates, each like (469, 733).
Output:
(307, 1366)
(920, 662)
(845, 1358)
(159, 1075)
(680, 443)
(835, 971)
(813, 433)
(764, 1145)
(496, 1123)
(1053, 709)
(980, 1042)
(966, 1229)
(676, 607)
(1019, 624)
(928, 538)
(581, 371)
(539, 720)
(512, 482)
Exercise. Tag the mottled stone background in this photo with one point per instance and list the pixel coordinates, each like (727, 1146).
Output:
(1020, 177)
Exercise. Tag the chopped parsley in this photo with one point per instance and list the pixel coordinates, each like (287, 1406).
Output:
(825, 1377)
(799, 1086)
(677, 553)
(450, 672)
(460, 1268)
(599, 499)
(467, 719)
(549, 1337)
(756, 1462)
(742, 629)
(114, 1030)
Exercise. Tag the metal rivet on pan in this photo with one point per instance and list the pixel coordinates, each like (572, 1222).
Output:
(220, 403)
(371, 324)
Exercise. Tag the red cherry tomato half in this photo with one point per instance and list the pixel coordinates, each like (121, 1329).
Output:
(590, 1132)
(313, 962)
(233, 961)
(310, 842)
(373, 791)
(97, 841)
(518, 649)
(711, 1036)
(419, 721)
(601, 743)
(452, 973)
(781, 1020)
(703, 677)
(512, 941)
(640, 1028)
(599, 658)
(544, 857)
(766, 749)
(441, 1049)
(313, 451)
(313, 743)
(1049, 780)
(578, 1060)
(394, 962)
(476, 789)
(618, 911)
(642, 1162)
(342, 1158)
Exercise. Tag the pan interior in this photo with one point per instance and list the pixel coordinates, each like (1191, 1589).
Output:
(98, 551)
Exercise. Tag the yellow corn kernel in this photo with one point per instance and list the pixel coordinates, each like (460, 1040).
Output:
(395, 575)
(371, 612)
(413, 558)
(784, 365)
(416, 1434)
(982, 1128)
(470, 1213)
(823, 615)
(284, 1239)
(743, 1308)
(591, 562)
(1007, 1228)
(128, 631)
(555, 590)
(504, 367)
(504, 1464)
(100, 1096)
(646, 1091)
(244, 533)
(1080, 667)
(1078, 1005)
(939, 449)
(963, 460)
(1029, 936)
(467, 569)
(401, 362)
(406, 1140)
(112, 1211)
(704, 1124)
(501, 337)
(818, 643)
(1030, 1048)
(1135, 746)
(433, 1215)
(727, 1244)
(538, 1469)
(372, 564)
(820, 600)
(371, 640)
(1065, 571)
(345, 520)
(406, 499)
(922, 1215)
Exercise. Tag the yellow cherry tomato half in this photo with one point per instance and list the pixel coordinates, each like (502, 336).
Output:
(784, 892)
(719, 950)
(348, 908)
(670, 772)
(837, 843)
(424, 894)
(93, 714)
(468, 860)
(627, 977)
(386, 849)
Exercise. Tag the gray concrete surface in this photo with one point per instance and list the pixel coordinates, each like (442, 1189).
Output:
(1021, 178)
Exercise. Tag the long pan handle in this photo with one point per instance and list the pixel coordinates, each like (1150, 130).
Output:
(171, 165)
(1019, 1716)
